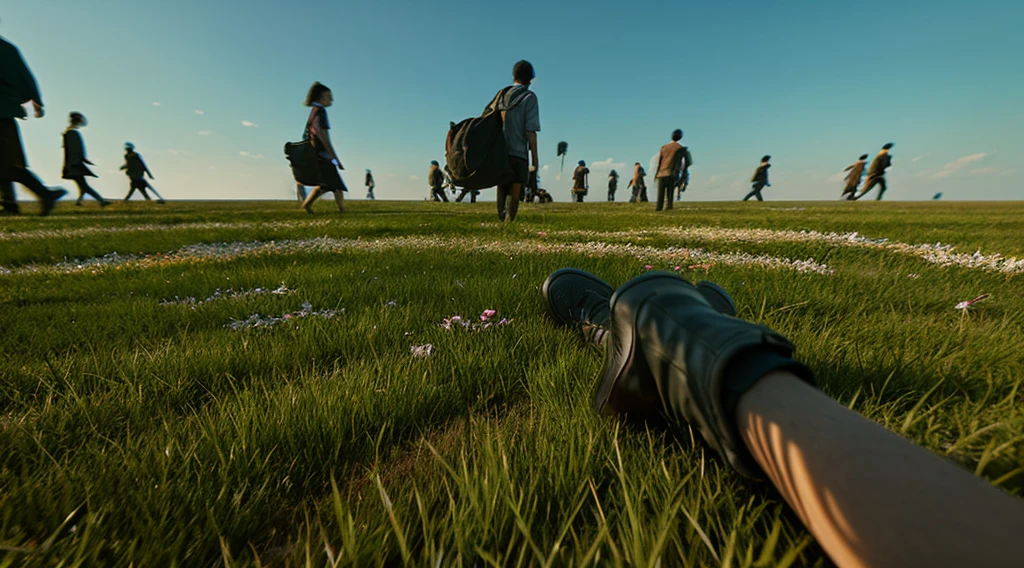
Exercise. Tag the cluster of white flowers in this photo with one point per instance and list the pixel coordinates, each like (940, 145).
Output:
(228, 294)
(230, 251)
(935, 253)
(258, 321)
(156, 227)
(485, 321)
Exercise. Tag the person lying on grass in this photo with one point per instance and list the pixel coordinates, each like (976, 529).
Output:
(676, 354)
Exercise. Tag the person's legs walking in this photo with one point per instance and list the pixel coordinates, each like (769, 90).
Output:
(84, 189)
(311, 199)
(502, 195)
(8, 199)
(881, 188)
(300, 192)
(515, 190)
(339, 200)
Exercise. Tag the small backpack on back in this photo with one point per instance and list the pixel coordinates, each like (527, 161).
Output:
(475, 149)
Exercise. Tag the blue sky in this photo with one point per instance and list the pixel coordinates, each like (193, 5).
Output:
(210, 91)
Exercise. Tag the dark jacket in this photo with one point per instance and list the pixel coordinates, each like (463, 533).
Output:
(882, 161)
(761, 174)
(135, 167)
(74, 156)
(436, 177)
(17, 85)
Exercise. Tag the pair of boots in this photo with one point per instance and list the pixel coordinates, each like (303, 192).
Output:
(675, 352)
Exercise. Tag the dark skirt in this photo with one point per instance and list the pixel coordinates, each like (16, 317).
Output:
(330, 179)
(12, 154)
(77, 171)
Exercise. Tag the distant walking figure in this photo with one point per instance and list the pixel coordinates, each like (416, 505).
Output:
(436, 178)
(520, 115)
(580, 181)
(137, 171)
(370, 184)
(856, 170)
(76, 165)
(613, 184)
(670, 168)
(876, 173)
(684, 179)
(17, 87)
(318, 99)
(760, 180)
(638, 184)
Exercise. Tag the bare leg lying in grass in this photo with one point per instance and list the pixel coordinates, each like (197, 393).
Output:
(870, 497)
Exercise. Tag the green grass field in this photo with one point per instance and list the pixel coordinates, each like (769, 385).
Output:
(147, 417)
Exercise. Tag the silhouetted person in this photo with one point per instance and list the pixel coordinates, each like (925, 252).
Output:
(876, 173)
(435, 177)
(638, 184)
(684, 179)
(137, 170)
(670, 169)
(370, 184)
(76, 165)
(520, 115)
(759, 180)
(318, 98)
(17, 87)
(856, 170)
(613, 184)
(580, 181)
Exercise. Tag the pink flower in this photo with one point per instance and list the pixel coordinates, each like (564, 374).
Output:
(488, 314)
(648, 267)
(541, 234)
(677, 268)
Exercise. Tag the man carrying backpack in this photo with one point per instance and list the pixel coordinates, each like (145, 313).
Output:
(580, 181)
(671, 160)
(520, 124)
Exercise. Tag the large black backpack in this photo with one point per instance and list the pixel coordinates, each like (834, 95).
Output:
(475, 149)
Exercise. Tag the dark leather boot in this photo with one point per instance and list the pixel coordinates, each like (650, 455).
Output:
(673, 357)
(578, 299)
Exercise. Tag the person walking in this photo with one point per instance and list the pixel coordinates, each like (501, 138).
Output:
(76, 165)
(520, 115)
(370, 184)
(676, 356)
(613, 184)
(684, 179)
(580, 181)
(436, 179)
(17, 87)
(638, 184)
(853, 178)
(670, 168)
(759, 180)
(876, 173)
(318, 126)
(137, 170)
(300, 192)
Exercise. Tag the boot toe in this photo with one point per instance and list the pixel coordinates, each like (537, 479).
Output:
(565, 288)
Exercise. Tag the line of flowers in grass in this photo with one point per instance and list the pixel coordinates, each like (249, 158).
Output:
(157, 227)
(229, 251)
(256, 321)
(934, 253)
(229, 294)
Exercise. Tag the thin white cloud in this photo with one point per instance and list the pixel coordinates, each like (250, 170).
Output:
(919, 158)
(249, 124)
(414, 178)
(245, 154)
(545, 167)
(958, 164)
(200, 112)
(608, 164)
(836, 177)
(925, 173)
(991, 171)
(205, 132)
(156, 104)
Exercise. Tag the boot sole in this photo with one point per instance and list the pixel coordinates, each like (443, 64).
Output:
(610, 375)
(563, 272)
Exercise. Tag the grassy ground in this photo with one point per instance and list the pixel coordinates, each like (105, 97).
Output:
(137, 425)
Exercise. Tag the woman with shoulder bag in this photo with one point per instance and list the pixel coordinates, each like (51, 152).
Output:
(317, 126)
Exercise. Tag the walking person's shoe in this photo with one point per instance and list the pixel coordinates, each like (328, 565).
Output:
(78, 203)
(106, 203)
(161, 201)
(672, 356)
(50, 199)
